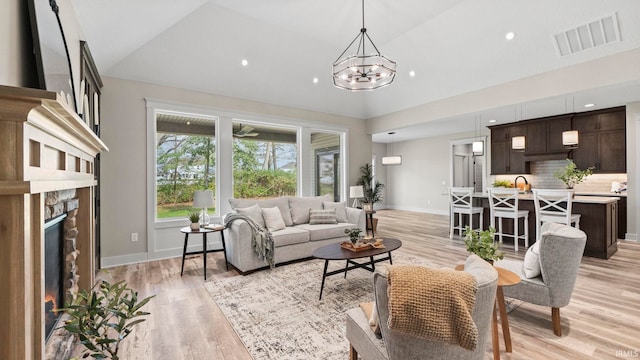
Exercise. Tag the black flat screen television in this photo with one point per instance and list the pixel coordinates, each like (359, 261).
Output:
(50, 50)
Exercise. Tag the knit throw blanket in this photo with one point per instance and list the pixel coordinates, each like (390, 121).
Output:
(433, 304)
(261, 239)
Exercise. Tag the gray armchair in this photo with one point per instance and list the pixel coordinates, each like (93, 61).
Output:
(394, 345)
(560, 253)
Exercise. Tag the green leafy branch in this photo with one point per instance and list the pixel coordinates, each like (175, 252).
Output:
(103, 316)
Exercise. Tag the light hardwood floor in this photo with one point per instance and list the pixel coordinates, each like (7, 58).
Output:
(601, 322)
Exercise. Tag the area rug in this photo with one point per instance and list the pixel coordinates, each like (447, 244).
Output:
(277, 314)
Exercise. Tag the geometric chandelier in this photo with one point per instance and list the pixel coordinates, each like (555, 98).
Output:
(359, 71)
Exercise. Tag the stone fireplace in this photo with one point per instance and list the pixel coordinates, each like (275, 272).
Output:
(47, 158)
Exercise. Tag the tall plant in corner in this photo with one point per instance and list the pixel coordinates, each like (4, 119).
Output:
(371, 187)
(103, 316)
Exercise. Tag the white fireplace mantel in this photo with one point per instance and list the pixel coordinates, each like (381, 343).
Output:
(44, 146)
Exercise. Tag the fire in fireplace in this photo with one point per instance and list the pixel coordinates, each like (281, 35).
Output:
(53, 271)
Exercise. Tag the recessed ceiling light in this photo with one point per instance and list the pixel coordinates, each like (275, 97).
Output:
(492, 120)
(315, 80)
(510, 35)
(589, 105)
(245, 62)
(412, 73)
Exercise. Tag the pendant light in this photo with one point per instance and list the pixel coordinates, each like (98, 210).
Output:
(477, 146)
(362, 71)
(392, 159)
(518, 143)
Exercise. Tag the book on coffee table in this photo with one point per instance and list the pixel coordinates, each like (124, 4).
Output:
(214, 227)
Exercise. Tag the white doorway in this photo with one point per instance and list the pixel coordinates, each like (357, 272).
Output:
(468, 169)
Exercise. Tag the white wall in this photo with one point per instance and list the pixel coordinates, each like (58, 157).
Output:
(124, 179)
(421, 183)
(633, 169)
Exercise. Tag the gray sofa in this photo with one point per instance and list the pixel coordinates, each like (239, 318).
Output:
(298, 239)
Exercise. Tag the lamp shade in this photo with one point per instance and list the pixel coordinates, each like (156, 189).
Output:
(203, 199)
(518, 143)
(478, 148)
(570, 138)
(356, 191)
(392, 160)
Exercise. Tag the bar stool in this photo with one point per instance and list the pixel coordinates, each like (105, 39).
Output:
(461, 202)
(503, 203)
(554, 205)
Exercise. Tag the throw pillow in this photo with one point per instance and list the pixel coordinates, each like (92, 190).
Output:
(254, 212)
(531, 265)
(322, 217)
(273, 219)
(300, 215)
(340, 207)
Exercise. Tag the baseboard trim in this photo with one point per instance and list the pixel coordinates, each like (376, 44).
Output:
(113, 261)
(417, 209)
(109, 262)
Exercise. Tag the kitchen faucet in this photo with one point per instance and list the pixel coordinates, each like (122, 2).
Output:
(525, 187)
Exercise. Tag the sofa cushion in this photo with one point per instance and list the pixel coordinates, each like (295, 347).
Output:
(300, 215)
(327, 216)
(300, 206)
(254, 212)
(273, 219)
(282, 203)
(340, 207)
(289, 236)
(325, 231)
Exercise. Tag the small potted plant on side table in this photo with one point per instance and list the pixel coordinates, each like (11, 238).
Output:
(481, 243)
(194, 218)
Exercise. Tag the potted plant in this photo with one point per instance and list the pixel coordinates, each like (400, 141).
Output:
(481, 243)
(502, 184)
(103, 316)
(194, 218)
(354, 234)
(372, 190)
(571, 175)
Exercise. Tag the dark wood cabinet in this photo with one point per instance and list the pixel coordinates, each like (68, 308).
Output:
(90, 96)
(602, 137)
(536, 138)
(602, 142)
(504, 160)
(544, 136)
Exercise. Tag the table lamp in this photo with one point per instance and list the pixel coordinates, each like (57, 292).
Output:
(356, 192)
(203, 199)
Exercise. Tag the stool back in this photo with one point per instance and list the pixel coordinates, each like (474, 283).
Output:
(503, 200)
(553, 205)
(460, 198)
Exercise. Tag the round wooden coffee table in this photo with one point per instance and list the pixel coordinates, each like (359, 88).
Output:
(336, 252)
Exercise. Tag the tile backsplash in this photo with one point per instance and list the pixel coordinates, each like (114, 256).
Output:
(542, 177)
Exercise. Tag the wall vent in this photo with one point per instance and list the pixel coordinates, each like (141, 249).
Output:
(593, 34)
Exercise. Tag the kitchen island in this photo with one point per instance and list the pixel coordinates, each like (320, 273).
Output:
(599, 220)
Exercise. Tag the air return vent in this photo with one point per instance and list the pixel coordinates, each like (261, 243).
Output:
(596, 33)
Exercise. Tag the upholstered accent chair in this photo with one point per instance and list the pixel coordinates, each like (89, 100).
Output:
(559, 253)
(397, 346)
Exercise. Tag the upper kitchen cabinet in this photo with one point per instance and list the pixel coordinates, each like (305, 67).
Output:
(602, 137)
(504, 160)
(544, 136)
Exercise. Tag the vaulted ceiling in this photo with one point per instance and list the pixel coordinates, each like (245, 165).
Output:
(454, 46)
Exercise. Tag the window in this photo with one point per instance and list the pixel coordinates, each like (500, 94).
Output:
(185, 162)
(264, 160)
(326, 147)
